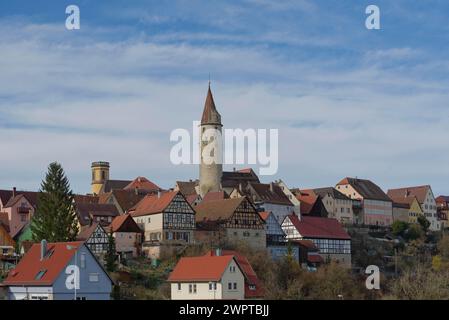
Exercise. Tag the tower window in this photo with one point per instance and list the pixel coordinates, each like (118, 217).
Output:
(103, 175)
(93, 175)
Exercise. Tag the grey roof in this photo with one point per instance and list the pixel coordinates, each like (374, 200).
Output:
(334, 193)
(110, 185)
(366, 188)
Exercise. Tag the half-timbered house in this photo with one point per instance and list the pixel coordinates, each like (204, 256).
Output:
(167, 221)
(327, 234)
(95, 238)
(230, 220)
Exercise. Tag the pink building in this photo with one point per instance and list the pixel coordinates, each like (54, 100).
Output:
(20, 208)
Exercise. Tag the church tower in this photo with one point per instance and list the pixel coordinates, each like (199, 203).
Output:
(210, 173)
(100, 173)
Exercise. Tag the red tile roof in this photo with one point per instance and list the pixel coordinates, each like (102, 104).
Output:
(264, 215)
(315, 258)
(142, 183)
(125, 223)
(306, 243)
(202, 269)
(406, 195)
(251, 278)
(153, 204)
(212, 196)
(317, 227)
(87, 231)
(307, 199)
(31, 264)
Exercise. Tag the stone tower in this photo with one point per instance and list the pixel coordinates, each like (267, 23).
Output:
(210, 173)
(100, 173)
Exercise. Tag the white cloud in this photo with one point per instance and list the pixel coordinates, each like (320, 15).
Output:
(78, 101)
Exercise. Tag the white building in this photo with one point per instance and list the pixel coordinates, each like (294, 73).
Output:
(207, 278)
(426, 200)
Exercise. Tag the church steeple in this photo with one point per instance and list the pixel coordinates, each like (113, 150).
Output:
(210, 173)
(210, 113)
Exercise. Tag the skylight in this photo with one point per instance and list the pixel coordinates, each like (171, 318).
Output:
(40, 274)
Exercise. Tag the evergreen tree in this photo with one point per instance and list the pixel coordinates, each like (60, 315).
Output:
(55, 217)
(111, 255)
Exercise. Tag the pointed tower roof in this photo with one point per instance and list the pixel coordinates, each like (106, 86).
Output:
(210, 113)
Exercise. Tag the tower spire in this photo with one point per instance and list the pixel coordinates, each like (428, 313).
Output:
(210, 113)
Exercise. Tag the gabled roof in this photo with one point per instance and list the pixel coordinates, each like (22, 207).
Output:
(442, 199)
(125, 223)
(142, 183)
(126, 199)
(87, 231)
(86, 210)
(201, 269)
(308, 199)
(232, 179)
(402, 195)
(331, 191)
(192, 198)
(251, 278)
(187, 188)
(31, 197)
(268, 193)
(5, 195)
(318, 227)
(218, 209)
(366, 188)
(153, 204)
(57, 258)
(215, 195)
(210, 113)
(110, 185)
(4, 220)
(85, 199)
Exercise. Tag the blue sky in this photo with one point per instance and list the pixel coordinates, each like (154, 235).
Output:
(347, 101)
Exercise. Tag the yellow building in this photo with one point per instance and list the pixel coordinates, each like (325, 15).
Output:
(100, 174)
(415, 211)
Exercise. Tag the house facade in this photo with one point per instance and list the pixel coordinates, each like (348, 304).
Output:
(207, 278)
(166, 219)
(376, 206)
(277, 245)
(127, 235)
(266, 197)
(230, 220)
(95, 238)
(59, 271)
(20, 209)
(327, 234)
(425, 198)
(338, 205)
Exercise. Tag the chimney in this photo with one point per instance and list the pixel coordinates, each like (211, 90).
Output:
(159, 193)
(43, 248)
(14, 190)
(218, 252)
(271, 186)
(136, 190)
